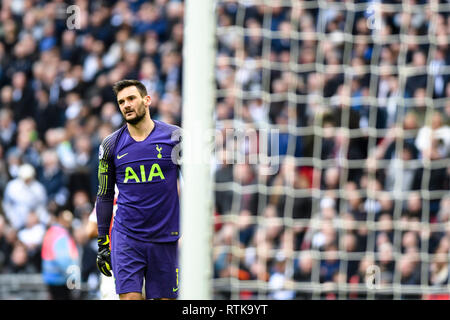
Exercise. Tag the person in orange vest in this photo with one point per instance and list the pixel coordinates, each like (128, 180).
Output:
(59, 256)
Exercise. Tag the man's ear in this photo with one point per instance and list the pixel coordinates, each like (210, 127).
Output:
(148, 100)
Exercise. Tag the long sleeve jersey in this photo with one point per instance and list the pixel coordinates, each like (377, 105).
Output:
(146, 176)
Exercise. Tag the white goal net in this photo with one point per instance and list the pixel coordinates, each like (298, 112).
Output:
(332, 150)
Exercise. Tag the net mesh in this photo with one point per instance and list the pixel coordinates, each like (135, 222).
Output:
(332, 150)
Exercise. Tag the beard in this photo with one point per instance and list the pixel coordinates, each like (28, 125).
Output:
(140, 114)
(136, 119)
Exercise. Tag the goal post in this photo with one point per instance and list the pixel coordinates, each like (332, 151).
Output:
(197, 123)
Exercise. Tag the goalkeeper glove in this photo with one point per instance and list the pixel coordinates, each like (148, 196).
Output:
(104, 256)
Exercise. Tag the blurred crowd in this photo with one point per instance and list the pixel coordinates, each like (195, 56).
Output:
(375, 194)
(361, 197)
(57, 67)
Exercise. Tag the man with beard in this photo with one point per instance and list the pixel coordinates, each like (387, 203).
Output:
(144, 237)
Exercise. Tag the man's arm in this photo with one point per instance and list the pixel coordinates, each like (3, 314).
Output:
(106, 181)
(105, 202)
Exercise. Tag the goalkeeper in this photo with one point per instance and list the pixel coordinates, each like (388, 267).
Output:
(144, 237)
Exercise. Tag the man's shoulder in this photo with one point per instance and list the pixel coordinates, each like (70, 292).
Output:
(168, 132)
(166, 126)
(107, 146)
(113, 136)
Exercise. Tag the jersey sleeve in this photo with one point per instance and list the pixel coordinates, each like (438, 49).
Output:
(176, 138)
(106, 182)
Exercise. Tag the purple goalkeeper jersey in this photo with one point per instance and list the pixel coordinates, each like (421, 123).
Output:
(146, 177)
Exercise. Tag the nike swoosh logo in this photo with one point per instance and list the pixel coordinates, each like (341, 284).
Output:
(174, 290)
(120, 157)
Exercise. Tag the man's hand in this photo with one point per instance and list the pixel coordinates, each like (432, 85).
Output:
(104, 256)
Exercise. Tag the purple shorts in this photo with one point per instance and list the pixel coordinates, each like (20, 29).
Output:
(133, 260)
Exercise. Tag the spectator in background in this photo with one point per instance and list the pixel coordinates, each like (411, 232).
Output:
(279, 280)
(7, 238)
(419, 79)
(400, 164)
(361, 277)
(303, 273)
(31, 236)
(23, 101)
(24, 195)
(386, 262)
(410, 241)
(388, 96)
(224, 264)
(86, 163)
(59, 252)
(6, 98)
(69, 49)
(57, 139)
(110, 114)
(409, 269)
(331, 178)
(413, 206)
(46, 113)
(329, 266)
(53, 178)
(149, 77)
(386, 204)
(290, 177)
(4, 175)
(348, 244)
(19, 261)
(26, 147)
(149, 19)
(7, 126)
(81, 204)
(439, 269)
(385, 231)
(246, 227)
(435, 136)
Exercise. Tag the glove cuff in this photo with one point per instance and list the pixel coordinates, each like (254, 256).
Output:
(103, 241)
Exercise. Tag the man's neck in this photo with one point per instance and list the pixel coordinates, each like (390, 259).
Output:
(142, 129)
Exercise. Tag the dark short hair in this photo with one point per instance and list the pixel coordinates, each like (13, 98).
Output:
(122, 84)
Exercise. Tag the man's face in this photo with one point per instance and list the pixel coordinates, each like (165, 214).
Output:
(132, 105)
